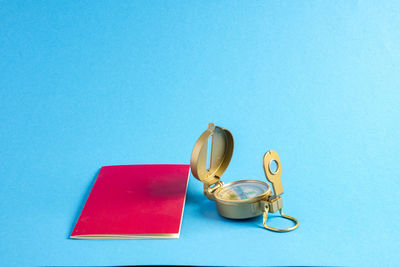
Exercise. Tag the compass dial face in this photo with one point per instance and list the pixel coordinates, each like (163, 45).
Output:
(242, 190)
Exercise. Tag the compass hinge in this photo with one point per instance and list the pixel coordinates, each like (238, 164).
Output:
(210, 189)
(275, 204)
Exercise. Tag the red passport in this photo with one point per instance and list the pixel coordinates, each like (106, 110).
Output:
(134, 201)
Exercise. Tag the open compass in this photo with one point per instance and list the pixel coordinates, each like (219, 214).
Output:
(241, 199)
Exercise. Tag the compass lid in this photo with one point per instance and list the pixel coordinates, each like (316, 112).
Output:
(220, 156)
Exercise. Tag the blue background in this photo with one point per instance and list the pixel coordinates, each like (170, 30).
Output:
(92, 83)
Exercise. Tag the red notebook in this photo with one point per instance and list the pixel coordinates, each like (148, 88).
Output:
(134, 201)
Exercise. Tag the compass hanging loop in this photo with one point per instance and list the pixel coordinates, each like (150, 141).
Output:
(281, 230)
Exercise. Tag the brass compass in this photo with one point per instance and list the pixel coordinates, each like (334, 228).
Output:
(241, 199)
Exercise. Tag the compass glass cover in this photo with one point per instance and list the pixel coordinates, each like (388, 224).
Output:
(242, 190)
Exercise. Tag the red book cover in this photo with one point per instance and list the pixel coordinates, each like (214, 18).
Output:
(134, 201)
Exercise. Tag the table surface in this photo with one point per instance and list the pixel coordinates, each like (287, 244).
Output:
(88, 84)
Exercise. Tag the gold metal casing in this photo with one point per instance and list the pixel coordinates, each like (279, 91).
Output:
(221, 154)
(244, 208)
(220, 157)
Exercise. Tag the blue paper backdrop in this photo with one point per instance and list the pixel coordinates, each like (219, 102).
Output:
(90, 83)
